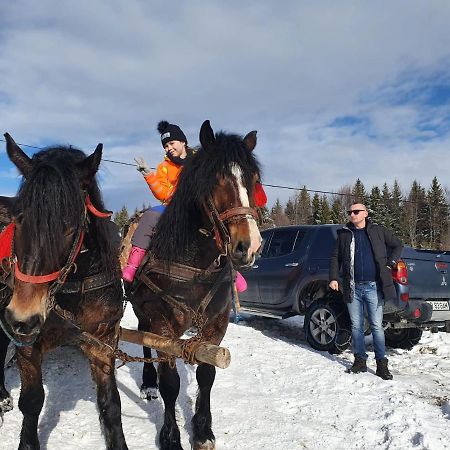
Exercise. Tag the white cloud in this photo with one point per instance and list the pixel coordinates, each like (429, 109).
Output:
(108, 71)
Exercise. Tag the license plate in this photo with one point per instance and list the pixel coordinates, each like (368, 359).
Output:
(439, 305)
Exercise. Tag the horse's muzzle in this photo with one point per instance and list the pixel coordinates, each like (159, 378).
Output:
(24, 328)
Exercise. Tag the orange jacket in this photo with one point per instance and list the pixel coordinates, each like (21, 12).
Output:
(163, 182)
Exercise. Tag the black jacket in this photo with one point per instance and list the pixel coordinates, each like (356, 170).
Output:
(386, 248)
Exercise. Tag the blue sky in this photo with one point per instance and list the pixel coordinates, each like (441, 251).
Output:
(337, 90)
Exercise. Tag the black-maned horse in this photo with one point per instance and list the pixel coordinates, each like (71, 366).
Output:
(65, 279)
(208, 230)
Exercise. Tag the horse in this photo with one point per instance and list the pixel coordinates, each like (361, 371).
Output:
(65, 280)
(208, 230)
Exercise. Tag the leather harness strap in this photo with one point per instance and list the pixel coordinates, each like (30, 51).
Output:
(181, 306)
(88, 284)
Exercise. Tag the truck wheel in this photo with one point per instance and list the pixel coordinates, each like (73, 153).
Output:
(405, 338)
(327, 326)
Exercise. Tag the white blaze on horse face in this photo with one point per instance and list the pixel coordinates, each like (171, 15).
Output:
(255, 236)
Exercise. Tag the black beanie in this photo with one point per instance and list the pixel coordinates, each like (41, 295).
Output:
(170, 132)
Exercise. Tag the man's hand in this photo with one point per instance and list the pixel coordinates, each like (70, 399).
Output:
(142, 166)
(334, 285)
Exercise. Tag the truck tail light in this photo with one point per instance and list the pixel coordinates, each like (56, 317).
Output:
(400, 273)
(404, 297)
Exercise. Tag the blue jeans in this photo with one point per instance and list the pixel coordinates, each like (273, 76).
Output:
(367, 298)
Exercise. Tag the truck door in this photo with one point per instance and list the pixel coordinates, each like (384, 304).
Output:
(251, 274)
(278, 267)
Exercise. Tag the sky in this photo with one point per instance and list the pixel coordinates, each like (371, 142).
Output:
(337, 90)
(277, 393)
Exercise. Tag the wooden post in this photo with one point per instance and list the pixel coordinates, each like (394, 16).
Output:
(206, 353)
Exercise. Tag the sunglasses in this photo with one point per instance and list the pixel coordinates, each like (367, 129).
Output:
(355, 211)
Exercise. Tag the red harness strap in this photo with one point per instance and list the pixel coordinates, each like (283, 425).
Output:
(39, 279)
(92, 209)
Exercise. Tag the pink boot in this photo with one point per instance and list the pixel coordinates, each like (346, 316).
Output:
(241, 284)
(134, 260)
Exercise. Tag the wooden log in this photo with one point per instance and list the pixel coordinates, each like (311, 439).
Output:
(206, 353)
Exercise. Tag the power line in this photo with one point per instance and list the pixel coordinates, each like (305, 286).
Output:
(264, 184)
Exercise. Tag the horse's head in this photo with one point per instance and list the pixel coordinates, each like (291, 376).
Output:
(231, 204)
(50, 218)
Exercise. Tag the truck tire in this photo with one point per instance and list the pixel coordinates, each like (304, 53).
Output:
(327, 326)
(405, 338)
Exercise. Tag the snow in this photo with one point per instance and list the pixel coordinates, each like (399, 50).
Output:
(278, 393)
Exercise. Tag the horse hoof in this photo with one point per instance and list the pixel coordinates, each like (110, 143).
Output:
(207, 445)
(149, 393)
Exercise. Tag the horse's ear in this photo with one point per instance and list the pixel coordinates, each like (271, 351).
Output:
(88, 168)
(207, 138)
(18, 156)
(250, 140)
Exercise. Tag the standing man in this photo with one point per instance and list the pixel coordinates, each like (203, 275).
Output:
(366, 252)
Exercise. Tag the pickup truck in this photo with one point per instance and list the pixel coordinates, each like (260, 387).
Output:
(290, 277)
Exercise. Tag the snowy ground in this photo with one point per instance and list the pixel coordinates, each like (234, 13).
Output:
(277, 394)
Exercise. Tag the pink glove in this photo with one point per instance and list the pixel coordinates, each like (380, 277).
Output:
(241, 284)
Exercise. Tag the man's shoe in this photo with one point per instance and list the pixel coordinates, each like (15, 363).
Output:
(382, 369)
(358, 366)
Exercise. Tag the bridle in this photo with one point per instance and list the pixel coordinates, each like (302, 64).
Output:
(219, 221)
(58, 277)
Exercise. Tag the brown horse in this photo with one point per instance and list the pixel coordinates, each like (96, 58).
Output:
(207, 231)
(65, 280)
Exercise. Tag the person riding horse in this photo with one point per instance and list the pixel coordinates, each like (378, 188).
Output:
(163, 184)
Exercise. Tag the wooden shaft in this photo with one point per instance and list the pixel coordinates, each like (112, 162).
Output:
(206, 353)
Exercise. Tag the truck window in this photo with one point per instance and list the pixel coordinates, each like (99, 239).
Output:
(323, 244)
(282, 243)
(265, 236)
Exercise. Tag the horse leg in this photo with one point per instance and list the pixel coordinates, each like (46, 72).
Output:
(31, 400)
(108, 399)
(169, 386)
(203, 438)
(149, 387)
(6, 401)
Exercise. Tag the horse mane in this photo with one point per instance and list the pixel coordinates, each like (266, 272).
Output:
(178, 226)
(51, 195)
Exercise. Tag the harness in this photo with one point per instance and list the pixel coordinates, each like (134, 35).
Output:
(188, 274)
(9, 269)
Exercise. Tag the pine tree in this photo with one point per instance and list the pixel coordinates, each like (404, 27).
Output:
(277, 215)
(290, 211)
(325, 211)
(438, 214)
(121, 218)
(385, 207)
(374, 205)
(359, 192)
(415, 218)
(316, 209)
(395, 209)
(337, 211)
(304, 211)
